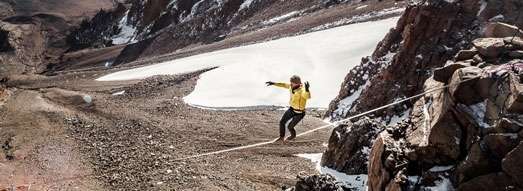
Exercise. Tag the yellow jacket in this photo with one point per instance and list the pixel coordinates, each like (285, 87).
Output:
(299, 96)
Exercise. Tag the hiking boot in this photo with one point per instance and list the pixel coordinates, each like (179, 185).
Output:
(290, 138)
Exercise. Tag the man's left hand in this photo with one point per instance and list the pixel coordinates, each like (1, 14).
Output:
(307, 85)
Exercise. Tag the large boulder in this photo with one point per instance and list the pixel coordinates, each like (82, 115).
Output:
(501, 30)
(514, 103)
(490, 182)
(506, 125)
(505, 94)
(466, 54)
(512, 164)
(498, 94)
(516, 54)
(379, 176)
(501, 143)
(322, 182)
(443, 74)
(517, 42)
(435, 134)
(489, 47)
(476, 164)
(387, 161)
(349, 146)
(468, 86)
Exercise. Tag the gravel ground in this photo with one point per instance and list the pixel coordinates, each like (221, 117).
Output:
(133, 141)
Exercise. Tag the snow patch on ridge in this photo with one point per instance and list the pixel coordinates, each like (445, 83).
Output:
(127, 32)
(360, 18)
(281, 18)
(246, 4)
(361, 7)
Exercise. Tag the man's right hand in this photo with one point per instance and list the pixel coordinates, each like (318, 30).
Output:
(269, 83)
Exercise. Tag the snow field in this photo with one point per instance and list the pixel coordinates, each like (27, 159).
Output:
(323, 58)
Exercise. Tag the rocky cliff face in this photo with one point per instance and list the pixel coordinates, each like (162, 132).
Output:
(440, 141)
(468, 135)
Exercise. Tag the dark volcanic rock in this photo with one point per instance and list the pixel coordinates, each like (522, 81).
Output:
(5, 46)
(98, 31)
(444, 73)
(507, 125)
(494, 181)
(435, 128)
(464, 84)
(516, 54)
(512, 164)
(318, 183)
(500, 144)
(349, 146)
(387, 162)
(489, 47)
(476, 164)
(501, 30)
(465, 54)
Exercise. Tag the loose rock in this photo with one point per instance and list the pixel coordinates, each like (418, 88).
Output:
(489, 47)
(501, 30)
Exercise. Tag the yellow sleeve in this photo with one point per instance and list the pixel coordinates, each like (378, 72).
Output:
(282, 85)
(306, 94)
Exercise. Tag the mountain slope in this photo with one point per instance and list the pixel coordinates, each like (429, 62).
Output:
(190, 24)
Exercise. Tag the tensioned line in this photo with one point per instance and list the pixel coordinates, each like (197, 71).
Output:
(325, 126)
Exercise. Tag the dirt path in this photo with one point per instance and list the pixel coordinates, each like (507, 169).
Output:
(132, 141)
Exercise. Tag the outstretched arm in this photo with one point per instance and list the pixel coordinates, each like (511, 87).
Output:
(277, 84)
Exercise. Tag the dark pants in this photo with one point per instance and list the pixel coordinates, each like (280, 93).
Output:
(295, 119)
